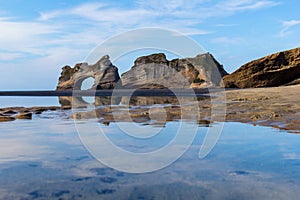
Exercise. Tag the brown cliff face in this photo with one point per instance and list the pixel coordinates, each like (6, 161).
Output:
(155, 71)
(278, 69)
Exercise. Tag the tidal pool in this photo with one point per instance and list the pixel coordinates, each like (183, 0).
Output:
(44, 158)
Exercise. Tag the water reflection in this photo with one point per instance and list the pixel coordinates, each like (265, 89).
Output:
(156, 111)
(66, 101)
(44, 159)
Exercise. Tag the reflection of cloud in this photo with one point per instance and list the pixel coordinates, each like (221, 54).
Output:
(19, 149)
(291, 156)
(36, 140)
(286, 26)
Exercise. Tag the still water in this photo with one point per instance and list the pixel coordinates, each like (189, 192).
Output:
(44, 158)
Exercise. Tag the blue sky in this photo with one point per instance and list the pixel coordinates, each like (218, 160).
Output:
(37, 38)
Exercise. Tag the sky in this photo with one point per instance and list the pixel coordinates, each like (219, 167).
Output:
(38, 38)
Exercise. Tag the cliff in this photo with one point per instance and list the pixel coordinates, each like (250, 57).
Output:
(155, 71)
(278, 69)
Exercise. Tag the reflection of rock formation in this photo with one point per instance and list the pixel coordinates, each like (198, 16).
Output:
(147, 101)
(154, 70)
(146, 115)
(278, 69)
(144, 101)
(104, 73)
(105, 101)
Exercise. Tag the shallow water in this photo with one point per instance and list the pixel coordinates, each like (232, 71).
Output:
(28, 101)
(45, 159)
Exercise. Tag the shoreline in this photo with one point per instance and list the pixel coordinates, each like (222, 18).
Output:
(114, 92)
(276, 107)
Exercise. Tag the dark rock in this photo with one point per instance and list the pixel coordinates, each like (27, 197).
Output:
(278, 69)
(9, 112)
(6, 118)
(24, 115)
(158, 58)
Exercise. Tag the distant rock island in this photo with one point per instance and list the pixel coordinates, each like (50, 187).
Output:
(278, 69)
(155, 71)
(148, 72)
(105, 75)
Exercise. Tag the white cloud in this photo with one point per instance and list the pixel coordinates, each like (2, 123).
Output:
(286, 26)
(23, 36)
(176, 14)
(244, 5)
(6, 56)
(87, 24)
(228, 41)
(203, 9)
(64, 36)
(226, 25)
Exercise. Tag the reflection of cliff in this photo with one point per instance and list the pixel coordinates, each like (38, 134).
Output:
(153, 115)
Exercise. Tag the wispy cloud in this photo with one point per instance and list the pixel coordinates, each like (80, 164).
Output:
(228, 41)
(244, 5)
(60, 36)
(7, 56)
(226, 25)
(177, 14)
(24, 36)
(286, 26)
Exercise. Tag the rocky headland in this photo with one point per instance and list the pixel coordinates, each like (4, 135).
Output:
(275, 70)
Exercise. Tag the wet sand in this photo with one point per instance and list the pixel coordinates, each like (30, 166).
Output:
(278, 107)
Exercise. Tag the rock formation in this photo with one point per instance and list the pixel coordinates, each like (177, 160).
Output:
(149, 72)
(155, 71)
(278, 69)
(104, 73)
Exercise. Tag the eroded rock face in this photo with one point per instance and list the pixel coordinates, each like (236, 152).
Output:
(105, 75)
(278, 69)
(155, 71)
(149, 72)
